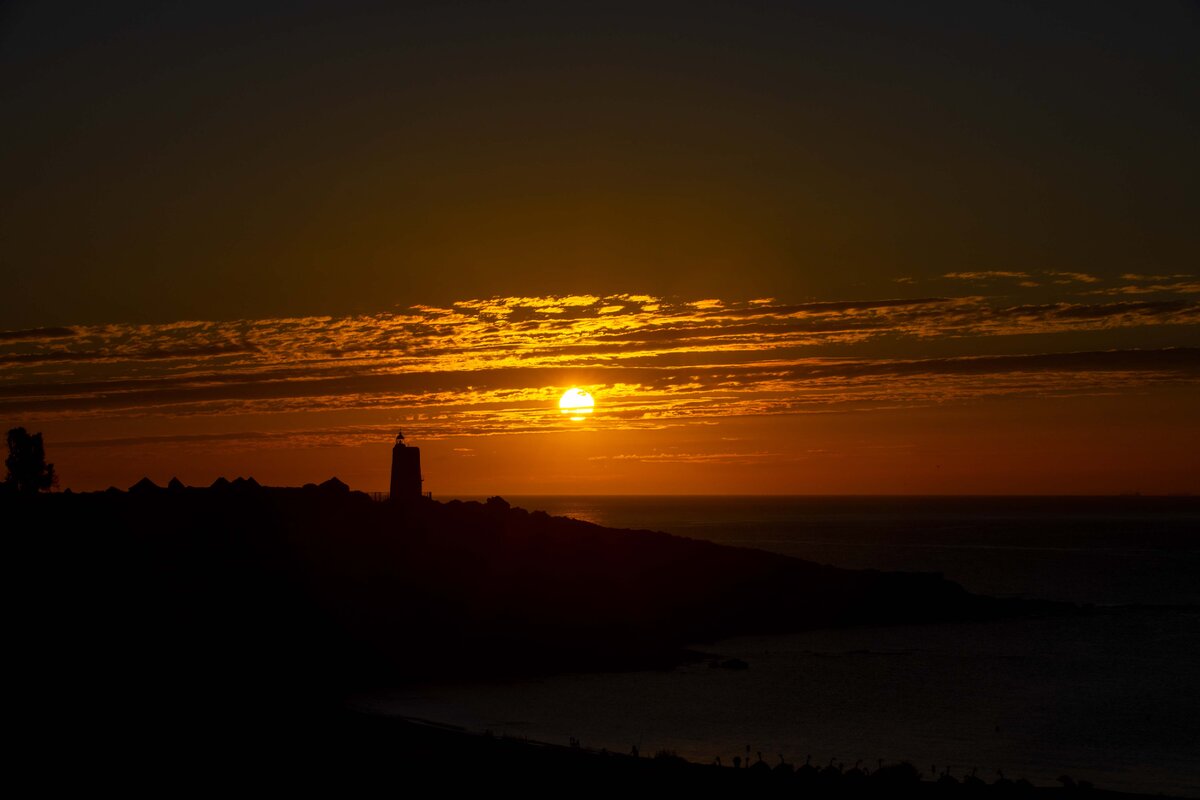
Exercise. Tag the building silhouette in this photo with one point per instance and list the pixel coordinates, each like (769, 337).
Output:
(406, 470)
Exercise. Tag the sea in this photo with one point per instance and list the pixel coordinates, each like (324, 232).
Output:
(1112, 696)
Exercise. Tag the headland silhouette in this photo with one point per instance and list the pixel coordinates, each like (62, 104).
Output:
(239, 617)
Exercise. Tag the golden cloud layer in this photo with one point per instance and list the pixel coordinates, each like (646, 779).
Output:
(497, 365)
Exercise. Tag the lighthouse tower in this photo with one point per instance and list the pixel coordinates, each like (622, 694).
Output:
(406, 471)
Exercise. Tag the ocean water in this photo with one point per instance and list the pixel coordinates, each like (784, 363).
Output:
(1112, 697)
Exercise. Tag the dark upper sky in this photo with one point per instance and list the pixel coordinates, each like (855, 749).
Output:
(225, 159)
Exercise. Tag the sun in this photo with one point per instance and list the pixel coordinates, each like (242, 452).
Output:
(577, 403)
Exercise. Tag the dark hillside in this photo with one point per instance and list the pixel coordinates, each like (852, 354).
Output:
(155, 602)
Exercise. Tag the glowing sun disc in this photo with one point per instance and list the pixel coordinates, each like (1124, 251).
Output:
(576, 402)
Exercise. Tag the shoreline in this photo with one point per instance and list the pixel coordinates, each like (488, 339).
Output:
(428, 744)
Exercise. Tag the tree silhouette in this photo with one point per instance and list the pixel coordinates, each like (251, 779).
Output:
(28, 472)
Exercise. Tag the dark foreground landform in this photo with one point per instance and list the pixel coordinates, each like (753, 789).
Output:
(483, 761)
(173, 612)
(346, 753)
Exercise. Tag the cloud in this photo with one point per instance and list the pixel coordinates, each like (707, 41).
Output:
(1133, 276)
(1073, 277)
(146, 354)
(36, 333)
(1179, 287)
(497, 365)
(983, 276)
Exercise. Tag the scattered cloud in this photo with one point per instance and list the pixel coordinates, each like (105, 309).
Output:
(1179, 287)
(1073, 277)
(36, 333)
(498, 365)
(984, 276)
(1133, 276)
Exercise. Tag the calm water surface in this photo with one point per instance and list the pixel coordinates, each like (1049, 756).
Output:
(1113, 697)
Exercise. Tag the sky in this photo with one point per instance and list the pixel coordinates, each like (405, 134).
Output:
(851, 247)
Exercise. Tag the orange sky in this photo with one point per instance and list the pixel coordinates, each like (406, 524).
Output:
(693, 396)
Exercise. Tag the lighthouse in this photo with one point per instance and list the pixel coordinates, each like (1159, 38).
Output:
(406, 471)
